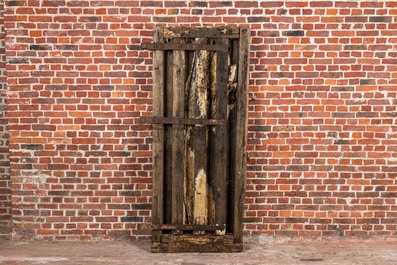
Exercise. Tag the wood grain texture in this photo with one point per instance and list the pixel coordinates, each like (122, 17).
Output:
(168, 101)
(182, 121)
(232, 117)
(197, 188)
(201, 99)
(178, 111)
(218, 137)
(202, 32)
(196, 243)
(189, 227)
(241, 134)
(158, 132)
(183, 46)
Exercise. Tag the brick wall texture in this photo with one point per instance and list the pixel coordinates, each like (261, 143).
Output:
(322, 133)
(5, 191)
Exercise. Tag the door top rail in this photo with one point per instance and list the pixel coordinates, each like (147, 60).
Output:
(182, 121)
(182, 46)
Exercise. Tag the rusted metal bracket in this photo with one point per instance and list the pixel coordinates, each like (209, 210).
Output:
(182, 46)
(181, 121)
(189, 227)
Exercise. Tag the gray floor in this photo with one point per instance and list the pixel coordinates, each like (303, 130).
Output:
(112, 253)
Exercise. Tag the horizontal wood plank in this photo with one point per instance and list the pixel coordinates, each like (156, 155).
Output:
(183, 46)
(181, 121)
(196, 243)
(189, 227)
(202, 32)
(198, 239)
(183, 247)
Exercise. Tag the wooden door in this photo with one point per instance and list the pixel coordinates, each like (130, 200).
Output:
(199, 117)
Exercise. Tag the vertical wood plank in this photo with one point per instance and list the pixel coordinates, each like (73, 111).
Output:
(218, 137)
(232, 142)
(241, 133)
(158, 132)
(168, 131)
(178, 111)
(197, 188)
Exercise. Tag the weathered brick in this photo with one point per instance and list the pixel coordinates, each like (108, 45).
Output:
(294, 33)
(257, 19)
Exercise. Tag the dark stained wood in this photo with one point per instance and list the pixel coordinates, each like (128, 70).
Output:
(201, 32)
(241, 134)
(189, 227)
(158, 132)
(182, 46)
(232, 117)
(218, 137)
(182, 121)
(178, 111)
(168, 131)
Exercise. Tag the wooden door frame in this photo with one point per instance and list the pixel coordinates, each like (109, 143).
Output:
(176, 241)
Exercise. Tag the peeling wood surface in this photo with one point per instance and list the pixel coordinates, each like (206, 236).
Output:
(197, 191)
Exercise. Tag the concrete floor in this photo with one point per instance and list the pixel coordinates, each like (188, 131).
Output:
(119, 253)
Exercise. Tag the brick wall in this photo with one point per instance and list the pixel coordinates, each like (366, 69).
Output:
(322, 137)
(5, 191)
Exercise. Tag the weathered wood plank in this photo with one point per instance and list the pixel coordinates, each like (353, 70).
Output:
(178, 111)
(188, 247)
(196, 107)
(158, 132)
(188, 227)
(198, 239)
(182, 46)
(218, 136)
(202, 32)
(232, 140)
(241, 134)
(197, 189)
(168, 131)
(182, 121)
(156, 236)
(196, 243)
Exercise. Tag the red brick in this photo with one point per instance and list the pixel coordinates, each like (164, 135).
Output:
(321, 112)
